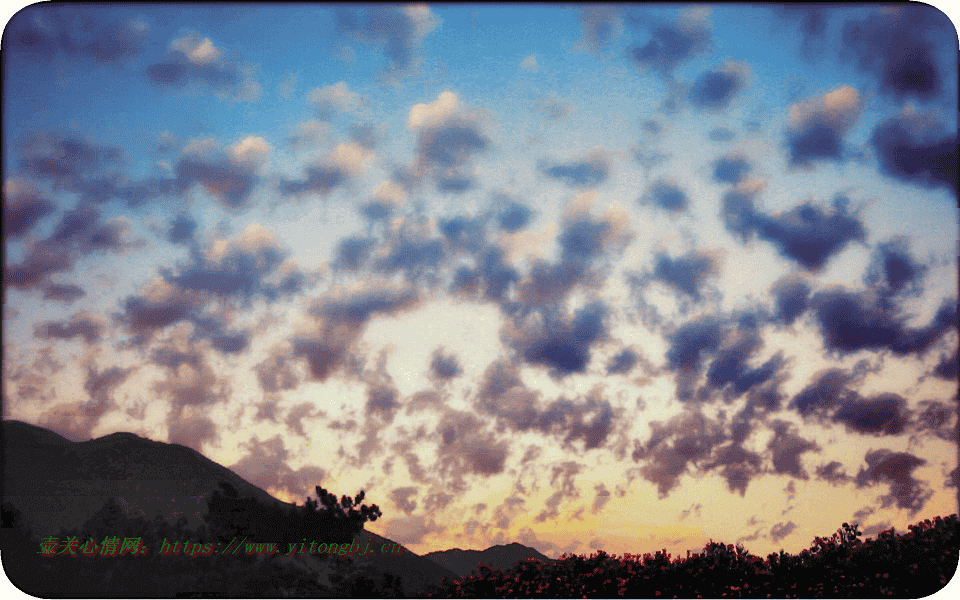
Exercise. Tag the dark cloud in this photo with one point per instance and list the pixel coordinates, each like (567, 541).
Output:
(399, 30)
(230, 343)
(691, 341)
(851, 321)
(833, 473)
(894, 270)
(276, 373)
(828, 390)
(937, 418)
(564, 345)
(463, 232)
(322, 178)
(250, 264)
(688, 437)
(80, 325)
(896, 470)
(623, 362)
(731, 168)
(382, 401)
(565, 472)
(145, 315)
(411, 250)
(444, 366)
(886, 414)
(553, 108)
(191, 431)
(76, 421)
(915, 149)
(688, 273)
(730, 365)
(466, 447)
(514, 216)
(340, 322)
(739, 466)
(792, 296)
(667, 195)
(72, 164)
(23, 207)
(191, 57)
(401, 499)
(585, 173)
(786, 447)
(948, 366)
(807, 234)
(817, 128)
(721, 134)
(900, 48)
(714, 89)
(598, 23)
(265, 465)
(182, 230)
(447, 147)
(62, 292)
(75, 31)
(192, 390)
(352, 252)
(782, 530)
(230, 183)
(672, 44)
(813, 27)
(78, 233)
(493, 276)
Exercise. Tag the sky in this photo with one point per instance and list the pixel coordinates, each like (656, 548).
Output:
(609, 277)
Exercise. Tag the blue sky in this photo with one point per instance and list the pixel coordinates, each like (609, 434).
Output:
(612, 277)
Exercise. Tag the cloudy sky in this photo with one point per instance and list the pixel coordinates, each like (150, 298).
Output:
(580, 278)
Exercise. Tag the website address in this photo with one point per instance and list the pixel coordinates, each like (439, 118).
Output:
(114, 546)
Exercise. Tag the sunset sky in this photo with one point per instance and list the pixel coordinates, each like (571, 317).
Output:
(618, 277)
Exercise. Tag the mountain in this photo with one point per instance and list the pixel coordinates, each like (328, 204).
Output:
(58, 485)
(465, 562)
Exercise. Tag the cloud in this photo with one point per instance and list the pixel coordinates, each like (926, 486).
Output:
(79, 325)
(565, 472)
(833, 474)
(852, 321)
(467, 447)
(599, 23)
(739, 466)
(444, 366)
(885, 414)
(229, 176)
(353, 252)
(76, 31)
(786, 446)
(333, 99)
(191, 431)
(829, 389)
(948, 366)
(346, 162)
(893, 270)
(62, 293)
(898, 47)
(265, 465)
(563, 345)
(23, 207)
(553, 108)
(782, 530)
(688, 437)
(585, 172)
(276, 373)
(713, 90)
(530, 64)
(449, 137)
(667, 195)
(412, 530)
(399, 30)
(309, 134)
(721, 134)
(807, 234)
(182, 230)
(340, 320)
(191, 57)
(817, 128)
(792, 296)
(691, 341)
(896, 470)
(673, 44)
(915, 149)
(688, 273)
(731, 168)
(72, 164)
(76, 421)
(602, 497)
(401, 499)
(623, 362)
(512, 215)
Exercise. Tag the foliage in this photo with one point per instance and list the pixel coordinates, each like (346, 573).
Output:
(914, 565)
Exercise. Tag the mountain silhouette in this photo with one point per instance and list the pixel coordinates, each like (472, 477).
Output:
(58, 485)
(465, 562)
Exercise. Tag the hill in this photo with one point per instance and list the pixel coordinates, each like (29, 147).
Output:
(58, 485)
(504, 557)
